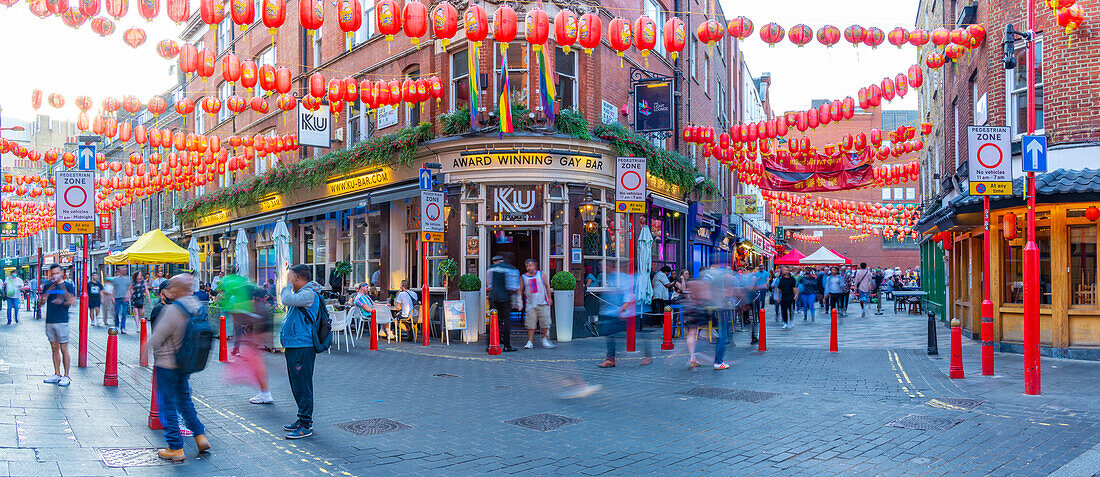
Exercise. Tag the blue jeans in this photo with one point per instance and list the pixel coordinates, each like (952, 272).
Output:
(122, 311)
(724, 330)
(13, 308)
(808, 300)
(173, 400)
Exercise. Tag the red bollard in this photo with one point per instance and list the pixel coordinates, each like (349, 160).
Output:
(763, 339)
(832, 338)
(223, 352)
(373, 331)
(666, 343)
(494, 335)
(956, 350)
(631, 333)
(987, 338)
(141, 345)
(154, 414)
(110, 372)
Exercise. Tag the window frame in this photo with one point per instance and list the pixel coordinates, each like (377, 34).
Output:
(225, 90)
(526, 70)
(575, 78)
(454, 80)
(1011, 90)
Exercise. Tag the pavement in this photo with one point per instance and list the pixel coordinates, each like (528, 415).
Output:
(880, 406)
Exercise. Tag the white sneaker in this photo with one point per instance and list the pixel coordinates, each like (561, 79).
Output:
(64, 381)
(262, 398)
(784, 326)
(580, 391)
(52, 379)
(547, 344)
(529, 345)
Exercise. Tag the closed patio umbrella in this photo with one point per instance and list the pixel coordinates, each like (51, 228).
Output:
(241, 253)
(281, 236)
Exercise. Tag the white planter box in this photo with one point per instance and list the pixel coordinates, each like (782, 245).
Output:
(475, 316)
(563, 314)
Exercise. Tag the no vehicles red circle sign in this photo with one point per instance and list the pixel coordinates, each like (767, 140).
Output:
(990, 155)
(432, 211)
(75, 196)
(631, 180)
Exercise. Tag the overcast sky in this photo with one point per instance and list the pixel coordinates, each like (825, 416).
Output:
(800, 75)
(47, 54)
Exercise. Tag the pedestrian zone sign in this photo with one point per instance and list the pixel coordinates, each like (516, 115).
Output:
(431, 212)
(630, 185)
(75, 202)
(990, 161)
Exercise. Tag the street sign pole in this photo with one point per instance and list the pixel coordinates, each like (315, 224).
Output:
(987, 304)
(1032, 375)
(432, 225)
(82, 359)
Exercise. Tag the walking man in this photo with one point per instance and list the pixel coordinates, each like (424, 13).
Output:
(617, 304)
(537, 297)
(865, 283)
(58, 296)
(173, 384)
(13, 287)
(121, 284)
(303, 304)
(503, 284)
(662, 287)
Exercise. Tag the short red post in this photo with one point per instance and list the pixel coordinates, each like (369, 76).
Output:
(956, 350)
(223, 351)
(29, 300)
(110, 371)
(154, 414)
(494, 334)
(666, 343)
(373, 330)
(631, 332)
(762, 344)
(987, 337)
(832, 335)
(141, 345)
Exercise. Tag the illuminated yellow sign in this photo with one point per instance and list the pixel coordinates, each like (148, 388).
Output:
(215, 218)
(361, 181)
(271, 202)
(663, 187)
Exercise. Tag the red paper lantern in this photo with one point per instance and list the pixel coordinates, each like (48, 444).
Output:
(941, 36)
(771, 33)
(960, 37)
(855, 35)
(179, 11)
(1092, 213)
(915, 76)
(273, 14)
(800, 35)
(243, 12)
(286, 102)
(504, 25)
(538, 28)
(235, 103)
(619, 35)
(977, 35)
(117, 8)
(919, 37)
(311, 14)
(351, 89)
(212, 12)
(335, 89)
(211, 104)
(436, 88)
(589, 30)
(934, 60)
(1009, 225)
(156, 105)
(740, 28)
(231, 68)
(445, 22)
(888, 89)
(259, 104)
(645, 35)
(828, 35)
(415, 21)
(565, 29)
(168, 49)
(675, 36)
(184, 107)
(283, 79)
(249, 74)
(874, 37)
(266, 76)
(955, 52)
(901, 85)
(103, 26)
(206, 63)
(898, 37)
(477, 25)
(88, 8)
(148, 9)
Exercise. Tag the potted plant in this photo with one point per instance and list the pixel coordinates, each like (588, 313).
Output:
(563, 283)
(469, 287)
(448, 268)
(342, 270)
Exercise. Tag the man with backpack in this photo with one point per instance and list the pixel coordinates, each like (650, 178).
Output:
(503, 285)
(300, 339)
(180, 341)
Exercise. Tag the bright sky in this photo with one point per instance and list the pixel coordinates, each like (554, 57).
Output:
(800, 75)
(47, 54)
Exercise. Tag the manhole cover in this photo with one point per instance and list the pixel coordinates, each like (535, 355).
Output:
(370, 427)
(543, 422)
(130, 456)
(959, 404)
(924, 423)
(729, 394)
(444, 375)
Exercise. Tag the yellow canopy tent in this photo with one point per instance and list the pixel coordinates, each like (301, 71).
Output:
(153, 247)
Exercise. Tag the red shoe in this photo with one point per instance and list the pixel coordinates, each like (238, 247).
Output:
(646, 361)
(607, 363)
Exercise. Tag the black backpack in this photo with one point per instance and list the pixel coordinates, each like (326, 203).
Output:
(499, 284)
(198, 339)
(322, 326)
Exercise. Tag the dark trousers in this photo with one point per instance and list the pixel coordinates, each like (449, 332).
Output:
(614, 326)
(833, 302)
(785, 305)
(299, 366)
(174, 399)
(657, 313)
(504, 322)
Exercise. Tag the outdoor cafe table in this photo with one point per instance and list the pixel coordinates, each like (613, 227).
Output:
(906, 294)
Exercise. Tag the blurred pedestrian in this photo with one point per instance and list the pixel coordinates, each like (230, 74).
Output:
(788, 292)
(616, 305)
(503, 284)
(833, 288)
(250, 368)
(58, 296)
(139, 291)
(303, 304)
(13, 288)
(696, 315)
(536, 296)
(107, 297)
(865, 283)
(121, 284)
(95, 298)
(173, 383)
(807, 295)
(662, 288)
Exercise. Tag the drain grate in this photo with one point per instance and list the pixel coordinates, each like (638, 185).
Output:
(444, 375)
(957, 404)
(924, 423)
(130, 457)
(729, 394)
(370, 427)
(543, 421)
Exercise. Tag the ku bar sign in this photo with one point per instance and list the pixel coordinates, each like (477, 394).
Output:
(314, 127)
(990, 160)
(630, 185)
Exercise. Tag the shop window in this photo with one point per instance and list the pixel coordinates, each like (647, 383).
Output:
(366, 249)
(667, 227)
(225, 34)
(517, 74)
(1017, 85)
(1013, 257)
(355, 124)
(565, 64)
(265, 264)
(412, 110)
(315, 249)
(460, 80)
(559, 253)
(604, 246)
(225, 90)
(366, 30)
(704, 72)
(1082, 265)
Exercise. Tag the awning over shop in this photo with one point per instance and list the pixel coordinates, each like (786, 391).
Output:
(791, 258)
(822, 256)
(847, 261)
(152, 247)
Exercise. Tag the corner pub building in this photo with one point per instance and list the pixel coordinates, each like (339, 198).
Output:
(545, 191)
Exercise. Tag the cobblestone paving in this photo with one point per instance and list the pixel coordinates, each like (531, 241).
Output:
(446, 410)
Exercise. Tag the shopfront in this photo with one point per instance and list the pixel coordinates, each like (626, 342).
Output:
(705, 237)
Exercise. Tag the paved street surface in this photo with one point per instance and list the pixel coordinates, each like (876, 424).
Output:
(880, 406)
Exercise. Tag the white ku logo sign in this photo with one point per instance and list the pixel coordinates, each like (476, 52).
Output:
(510, 200)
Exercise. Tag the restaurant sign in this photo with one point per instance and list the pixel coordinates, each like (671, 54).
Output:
(526, 159)
(271, 202)
(9, 229)
(361, 181)
(516, 203)
(211, 219)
